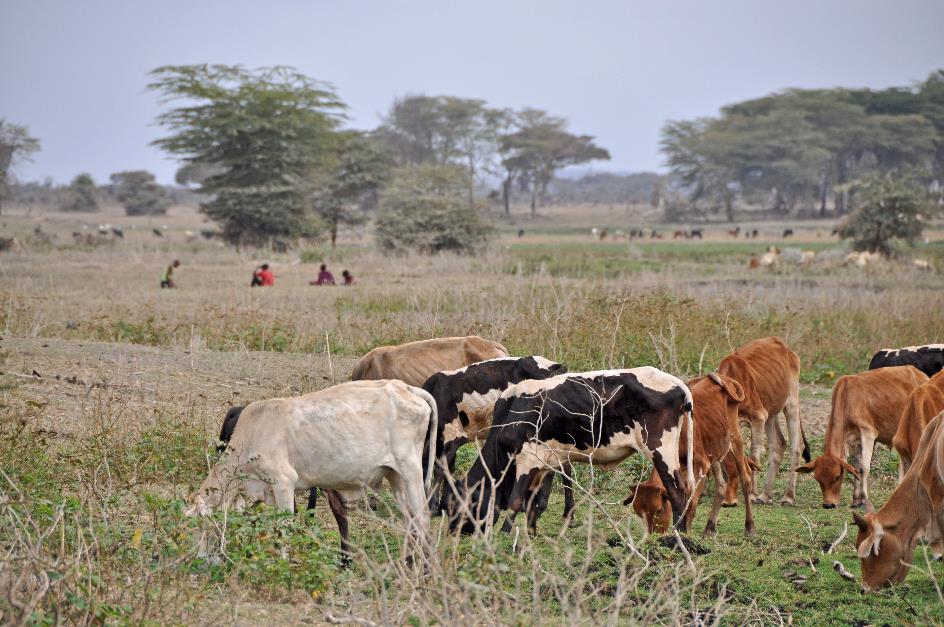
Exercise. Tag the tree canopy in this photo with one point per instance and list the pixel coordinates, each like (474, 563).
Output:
(265, 133)
(797, 148)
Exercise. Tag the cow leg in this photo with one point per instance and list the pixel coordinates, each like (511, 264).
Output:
(867, 441)
(411, 497)
(710, 526)
(701, 479)
(339, 509)
(758, 428)
(791, 413)
(745, 474)
(537, 502)
(732, 479)
(449, 460)
(312, 498)
(567, 478)
(776, 444)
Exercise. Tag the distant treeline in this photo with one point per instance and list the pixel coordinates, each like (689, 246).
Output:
(607, 188)
(798, 150)
(83, 194)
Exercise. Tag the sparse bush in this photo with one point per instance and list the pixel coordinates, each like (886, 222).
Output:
(81, 195)
(889, 209)
(423, 210)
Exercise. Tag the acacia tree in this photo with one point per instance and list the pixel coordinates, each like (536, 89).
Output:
(139, 193)
(267, 130)
(539, 147)
(347, 188)
(889, 209)
(16, 145)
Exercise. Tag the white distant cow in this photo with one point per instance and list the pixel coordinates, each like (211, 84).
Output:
(343, 439)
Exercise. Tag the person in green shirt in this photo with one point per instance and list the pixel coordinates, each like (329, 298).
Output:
(167, 279)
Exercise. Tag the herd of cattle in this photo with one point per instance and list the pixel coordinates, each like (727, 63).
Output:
(409, 408)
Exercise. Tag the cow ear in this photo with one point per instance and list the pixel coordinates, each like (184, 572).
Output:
(851, 469)
(807, 468)
(731, 387)
(632, 494)
(692, 382)
(873, 541)
(860, 521)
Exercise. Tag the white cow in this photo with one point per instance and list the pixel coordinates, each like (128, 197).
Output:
(343, 439)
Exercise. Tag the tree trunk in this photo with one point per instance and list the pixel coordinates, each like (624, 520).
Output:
(334, 234)
(823, 193)
(506, 194)
(534, 201)
(729, 207)
(471, 184)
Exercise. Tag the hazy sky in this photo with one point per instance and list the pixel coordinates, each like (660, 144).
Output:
(75, 71)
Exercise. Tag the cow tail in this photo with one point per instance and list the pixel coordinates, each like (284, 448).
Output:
(691, 444)
(807, 455)
(431, 434)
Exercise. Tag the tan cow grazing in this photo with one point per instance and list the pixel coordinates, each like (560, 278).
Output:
(345, 439)
(886, 539)
(925, 402)
(865, 409)
(717, 440)
(414, 362)
(769, 374)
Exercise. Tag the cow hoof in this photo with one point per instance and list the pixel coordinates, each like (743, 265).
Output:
(749, 532)
(709, 534)
(762, 500)
(571, 522)
(786, 502)
(857, 506)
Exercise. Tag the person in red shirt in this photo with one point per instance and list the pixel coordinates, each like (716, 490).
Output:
(324, 277)
(348, 278)
(263, 277)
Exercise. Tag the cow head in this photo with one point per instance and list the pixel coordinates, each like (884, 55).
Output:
(537, 367)
(828, 471)
(882, 553)
(650, 501)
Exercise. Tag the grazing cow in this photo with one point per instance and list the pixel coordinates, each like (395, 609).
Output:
(769, 373)
(929, 358)
(717, 441)
(925, 402)
(461, 394)
(807, 257)
(886, 539)
(865, 409)
(696, 233)
(598, 418)
(787, 233)
(415, 362)
(769, 259)
(520, 233)
(654, 234)
(735, 231)
(343, 439)
(755, 233)
(119, 233)
(678, 234)
(157, 232)
(862, 259)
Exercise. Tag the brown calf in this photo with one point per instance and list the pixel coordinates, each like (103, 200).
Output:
(769, 373)
(717, 437)
(865, 409)
(886, 539)
(925, 402)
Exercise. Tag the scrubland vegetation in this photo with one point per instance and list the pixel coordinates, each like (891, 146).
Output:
(113, 392)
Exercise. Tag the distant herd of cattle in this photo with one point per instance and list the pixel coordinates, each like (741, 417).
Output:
(409, 408)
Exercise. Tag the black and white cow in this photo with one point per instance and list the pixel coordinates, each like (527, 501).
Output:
(462, 394)
(597, 418)
(929, 358)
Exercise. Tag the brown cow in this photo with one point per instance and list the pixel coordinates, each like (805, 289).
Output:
(769, 373)
(886, 539)
(415, 362)
(865, 409)
(717, 437)
(926, 402)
